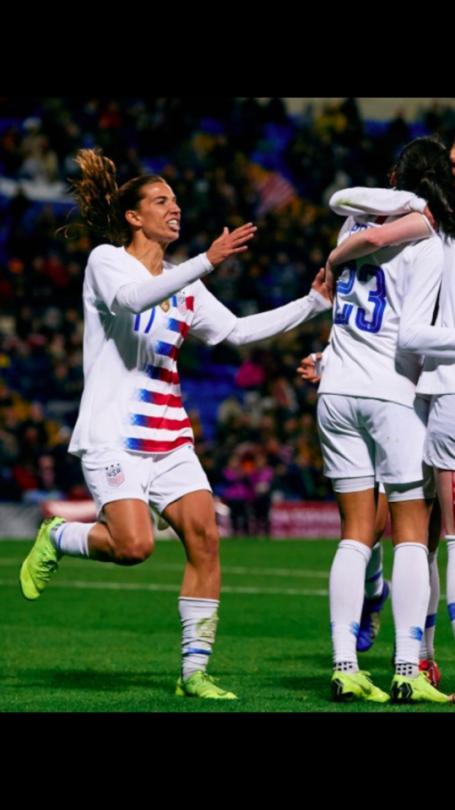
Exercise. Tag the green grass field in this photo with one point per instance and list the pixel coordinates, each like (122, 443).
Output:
(104, 639)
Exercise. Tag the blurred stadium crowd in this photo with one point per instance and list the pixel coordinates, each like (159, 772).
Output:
(229, 161)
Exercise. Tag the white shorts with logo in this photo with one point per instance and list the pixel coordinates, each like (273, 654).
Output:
(440, 443)
(158, 480)
(363, 437)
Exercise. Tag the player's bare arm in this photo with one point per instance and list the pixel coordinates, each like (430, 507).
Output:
(411, 228)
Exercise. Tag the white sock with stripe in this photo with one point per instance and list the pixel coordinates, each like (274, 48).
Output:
(427, 647)
(451, 580)
(410, 599)
(199, 619)
(71, 539)
(347, 585)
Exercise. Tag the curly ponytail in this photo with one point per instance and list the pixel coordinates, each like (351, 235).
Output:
(424, 168)
(102, 203)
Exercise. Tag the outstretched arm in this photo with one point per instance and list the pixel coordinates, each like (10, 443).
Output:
(137, 298)
(278, 321)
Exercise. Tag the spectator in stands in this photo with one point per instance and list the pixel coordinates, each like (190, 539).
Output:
(261, 478)
(237, 493)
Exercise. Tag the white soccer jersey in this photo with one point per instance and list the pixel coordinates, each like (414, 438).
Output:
(132, 397)
(436, 343)
(438, 376)
(376, 297)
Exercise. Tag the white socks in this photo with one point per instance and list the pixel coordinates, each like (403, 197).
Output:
(71, 539)
(427, 647)
(451, 579)
(410, 599)
(374, 580)
(347, 585)
(199, 622)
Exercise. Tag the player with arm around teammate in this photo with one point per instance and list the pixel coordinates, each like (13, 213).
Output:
(372, 427)
(437, 343)
(133, 436)
(377, 589)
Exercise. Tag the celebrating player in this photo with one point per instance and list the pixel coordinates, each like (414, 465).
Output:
(133, 436)
(381, 303)
(437, 343)
(377, 589)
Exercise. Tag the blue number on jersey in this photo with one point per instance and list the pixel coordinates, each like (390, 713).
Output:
(137, 323)
(378, 297)
(342, 316)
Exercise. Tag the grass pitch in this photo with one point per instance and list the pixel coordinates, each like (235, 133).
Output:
(105, 639)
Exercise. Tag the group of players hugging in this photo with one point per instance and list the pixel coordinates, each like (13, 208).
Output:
(385, 408)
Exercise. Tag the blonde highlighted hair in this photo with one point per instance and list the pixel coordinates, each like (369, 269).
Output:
(101, 202)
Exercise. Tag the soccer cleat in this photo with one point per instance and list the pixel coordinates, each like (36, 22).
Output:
(359, 686)
(417, 690)
(370, 621)
(202, 685)
(41, 563)
(432, 669)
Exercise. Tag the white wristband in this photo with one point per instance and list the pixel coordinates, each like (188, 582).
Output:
(317, 365)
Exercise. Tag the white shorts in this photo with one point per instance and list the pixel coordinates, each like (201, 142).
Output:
(440, 443)
(158, 480)
(369, 437)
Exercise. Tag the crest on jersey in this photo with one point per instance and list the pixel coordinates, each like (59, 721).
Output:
(115, 475)
(181, 302)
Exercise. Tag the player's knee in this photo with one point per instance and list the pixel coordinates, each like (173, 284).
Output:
(207, 539)
(212, 546)
(134, 551)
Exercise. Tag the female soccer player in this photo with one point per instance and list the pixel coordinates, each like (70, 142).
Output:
(437, 343)
(380, 303)
(376, 588)
(133, 436)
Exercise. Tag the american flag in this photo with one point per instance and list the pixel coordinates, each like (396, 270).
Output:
(275, 192)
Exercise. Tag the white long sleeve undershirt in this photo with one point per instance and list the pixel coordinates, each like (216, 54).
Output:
(277, 321)
(138, 298)
(376, 202)
(432, 341)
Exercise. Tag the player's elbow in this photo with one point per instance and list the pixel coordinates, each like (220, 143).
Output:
(375, 239)
(236, 337)
(407, 341)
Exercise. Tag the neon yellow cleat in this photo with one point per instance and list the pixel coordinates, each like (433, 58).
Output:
(417, 690)
(41, 563)
(202, 685)
(346, 686)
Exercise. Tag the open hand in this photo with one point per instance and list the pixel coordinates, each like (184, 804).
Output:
(308, 369)
(228, 244)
